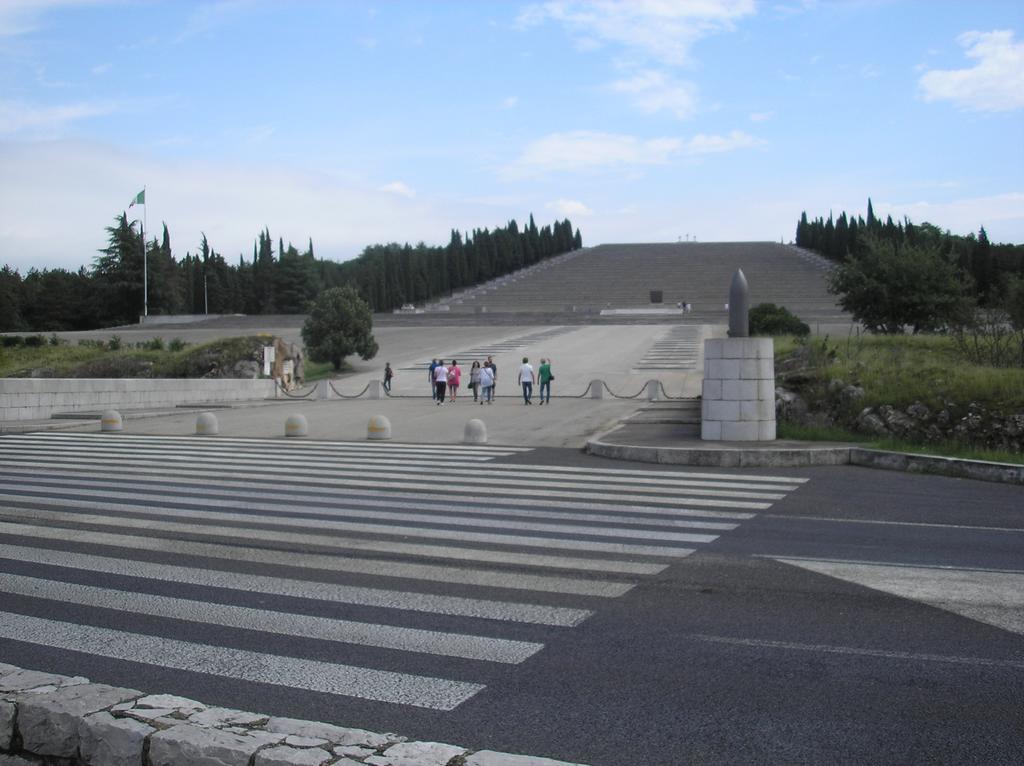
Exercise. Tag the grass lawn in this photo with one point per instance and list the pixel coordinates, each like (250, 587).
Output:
(901, 370)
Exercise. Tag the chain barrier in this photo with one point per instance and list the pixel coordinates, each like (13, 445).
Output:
(621, 396)
(664, 393)
(352, 396)
(290, 395)
(584, 395)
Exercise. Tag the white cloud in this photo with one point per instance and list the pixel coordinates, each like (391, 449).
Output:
(18, 117)
(56, 198)
(18, 17)
(654, 91)
(581, 151)
(761, 116)
(737, 139)
(664, 30)
(586, 150)
(510, 102)
(997, 213)
(570, 208)
(994, 84)
(399, 188)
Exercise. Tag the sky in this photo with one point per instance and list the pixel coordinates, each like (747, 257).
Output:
(356, 123)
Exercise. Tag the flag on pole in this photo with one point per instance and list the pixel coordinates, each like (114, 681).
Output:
(139, 199)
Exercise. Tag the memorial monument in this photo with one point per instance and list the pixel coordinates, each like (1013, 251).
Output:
(738, 393)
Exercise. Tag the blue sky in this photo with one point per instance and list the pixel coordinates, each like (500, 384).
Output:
(356, 123)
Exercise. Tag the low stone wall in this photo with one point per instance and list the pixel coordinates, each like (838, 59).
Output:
(40, 398)
(69, 720)
(160, 319)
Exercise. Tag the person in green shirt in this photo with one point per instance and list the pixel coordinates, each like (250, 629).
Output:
(545, 376)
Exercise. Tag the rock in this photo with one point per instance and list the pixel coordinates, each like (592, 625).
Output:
(290, 756)
(919, 411)
(198, 746)
(169, 701)
(851, 394)
(869, 422)
(789, 405)
(108, 741)
(245, 369)
(8, 712)
(895, 421)
(48, 723)
(422, 754)
(338, 735)
(222, 716)
(305, 741)
(23, 680)
(354, 750)
(16, 760)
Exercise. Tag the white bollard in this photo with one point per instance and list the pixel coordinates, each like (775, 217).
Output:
(296, 425)
(379, 428)
(475, 433)
(206, 424)
(376, 390)
(651, 387)
(323, 389)
(596, 389)
(111, 422)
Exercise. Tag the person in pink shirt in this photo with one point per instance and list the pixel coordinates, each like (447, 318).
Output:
(454, 376)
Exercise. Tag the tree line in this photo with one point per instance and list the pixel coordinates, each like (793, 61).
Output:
(899, 277)
(989, 269)
(281, 280)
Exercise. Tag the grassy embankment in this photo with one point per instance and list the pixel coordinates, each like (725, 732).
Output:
(899, 371)
(111, 358)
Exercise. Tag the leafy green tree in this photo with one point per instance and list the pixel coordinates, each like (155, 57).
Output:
(117, 272)
(339, 324)
(769, 319)
(889, 287)
(10, 300)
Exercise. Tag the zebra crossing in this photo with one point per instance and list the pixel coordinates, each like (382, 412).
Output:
(677, 349)
(402, 574)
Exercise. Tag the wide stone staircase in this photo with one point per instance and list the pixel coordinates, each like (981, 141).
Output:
(618, 280)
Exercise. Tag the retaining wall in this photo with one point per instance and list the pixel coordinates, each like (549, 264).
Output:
(56, 719)
(41, 398)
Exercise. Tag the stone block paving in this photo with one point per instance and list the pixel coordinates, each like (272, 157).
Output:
(50, 718)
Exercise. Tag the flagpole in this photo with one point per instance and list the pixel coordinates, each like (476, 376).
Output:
(145, 271)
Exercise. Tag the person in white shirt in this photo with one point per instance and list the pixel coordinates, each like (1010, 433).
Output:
(527, 377)
(487, 384)
(440, 382)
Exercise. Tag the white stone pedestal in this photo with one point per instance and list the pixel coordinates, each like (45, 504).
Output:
(738, 396)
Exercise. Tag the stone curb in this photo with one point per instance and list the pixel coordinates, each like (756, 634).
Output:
(50, 718)
(802, 457)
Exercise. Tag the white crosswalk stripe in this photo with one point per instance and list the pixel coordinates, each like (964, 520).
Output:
(375, 551)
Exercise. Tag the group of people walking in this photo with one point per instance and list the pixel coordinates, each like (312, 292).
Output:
(446, 379)
(527, 378)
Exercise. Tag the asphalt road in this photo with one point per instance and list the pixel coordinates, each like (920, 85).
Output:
(858, 617)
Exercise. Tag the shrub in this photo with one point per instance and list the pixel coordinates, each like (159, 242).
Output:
(176, 344)
(35, 341)
(154, 344)
(114, 344)
(769, 319)
(12, 341)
